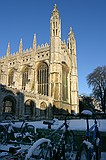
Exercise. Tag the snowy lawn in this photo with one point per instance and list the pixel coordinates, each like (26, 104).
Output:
(74, 124)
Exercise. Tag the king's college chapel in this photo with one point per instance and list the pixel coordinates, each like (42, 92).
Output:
(42, 80)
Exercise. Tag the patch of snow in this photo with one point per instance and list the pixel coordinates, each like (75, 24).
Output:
(55, 121)
(3, 154)
(88, 144)
(97, 141)
(86, 112)
(35, 145)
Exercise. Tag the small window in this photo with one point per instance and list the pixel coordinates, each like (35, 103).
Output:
(56, 32)
(56, 24)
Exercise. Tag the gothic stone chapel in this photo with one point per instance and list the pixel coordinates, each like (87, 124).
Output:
(41, 80)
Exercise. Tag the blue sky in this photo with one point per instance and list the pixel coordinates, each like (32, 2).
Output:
(24, 18)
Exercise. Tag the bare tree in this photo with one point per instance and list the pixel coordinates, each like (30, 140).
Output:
(97, 79)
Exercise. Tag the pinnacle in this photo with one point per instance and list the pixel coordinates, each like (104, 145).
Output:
(55, 8)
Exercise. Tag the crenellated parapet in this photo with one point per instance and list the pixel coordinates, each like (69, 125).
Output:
(43, 46)
(25, 55)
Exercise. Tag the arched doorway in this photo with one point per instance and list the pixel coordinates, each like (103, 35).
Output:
(43, 110)
(29, 108)
(9, 105)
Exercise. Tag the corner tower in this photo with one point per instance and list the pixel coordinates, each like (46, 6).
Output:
(55, 57)
(55, 23)
(74, 74)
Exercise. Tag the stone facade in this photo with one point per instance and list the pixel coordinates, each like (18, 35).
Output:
(43, 79)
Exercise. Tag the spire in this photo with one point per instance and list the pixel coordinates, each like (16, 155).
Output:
(34, 42)
(70, 30)
(55, 23)
(20, 46)
(55, 11)
(71, 35)
(8, 50)
(55, 7)
(71, 39)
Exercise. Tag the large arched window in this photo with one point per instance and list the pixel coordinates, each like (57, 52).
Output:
(43, 79)
(24, 78)
(11, 78)
(65, 82)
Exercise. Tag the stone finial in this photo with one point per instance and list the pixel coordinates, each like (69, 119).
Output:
(34, 42)
(71, 34)
(55, 9)
(8, 50)
(70, 29)
(20, 46)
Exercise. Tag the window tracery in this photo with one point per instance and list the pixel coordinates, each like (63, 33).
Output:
(43, 79)
(24, 78)
(11, 78)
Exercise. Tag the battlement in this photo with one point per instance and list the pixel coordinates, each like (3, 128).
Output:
(41, 48)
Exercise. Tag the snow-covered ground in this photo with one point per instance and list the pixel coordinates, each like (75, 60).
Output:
(76, 124)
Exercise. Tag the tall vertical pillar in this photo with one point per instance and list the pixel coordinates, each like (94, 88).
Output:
(55, 57)
(74, 74)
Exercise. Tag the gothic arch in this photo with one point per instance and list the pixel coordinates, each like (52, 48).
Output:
(65, 66)
(29, 107)
(25, 66)
(9, 105)
(11, 77)
(25, 77)
(42, 76)
(43, 110)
